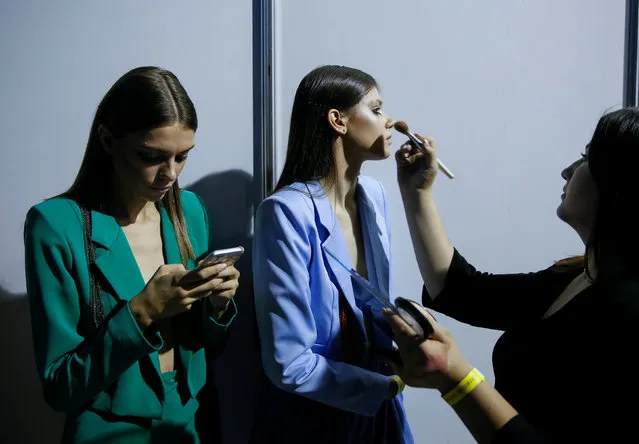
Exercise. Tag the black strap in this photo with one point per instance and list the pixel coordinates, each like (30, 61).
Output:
(96, 307)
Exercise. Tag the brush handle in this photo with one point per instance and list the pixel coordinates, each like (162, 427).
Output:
(420, 146)
(446, 171)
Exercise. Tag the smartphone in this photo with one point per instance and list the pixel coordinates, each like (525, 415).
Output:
(227, 256)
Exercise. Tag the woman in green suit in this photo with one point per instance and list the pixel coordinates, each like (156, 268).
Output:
(119, 326)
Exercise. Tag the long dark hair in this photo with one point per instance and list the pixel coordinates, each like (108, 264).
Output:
(143, 99)
(613, 158)
(309, 153)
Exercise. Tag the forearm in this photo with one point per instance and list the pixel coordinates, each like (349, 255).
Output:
(79, 375)
(483, 411)
(433, 249)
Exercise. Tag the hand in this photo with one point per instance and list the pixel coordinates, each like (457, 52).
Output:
(416, 171)
(226, 280)
(164, 296)
(432, 363)
(222, 293)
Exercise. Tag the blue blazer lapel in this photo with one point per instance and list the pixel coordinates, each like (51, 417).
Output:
(374, 225)
(335, 243)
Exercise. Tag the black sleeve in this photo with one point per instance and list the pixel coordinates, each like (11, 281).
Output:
(496, 301)
(518, 431)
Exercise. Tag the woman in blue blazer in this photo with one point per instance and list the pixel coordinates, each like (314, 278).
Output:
(119, 328)
(325, 347)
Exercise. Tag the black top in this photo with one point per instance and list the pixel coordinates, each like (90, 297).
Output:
(570, 376)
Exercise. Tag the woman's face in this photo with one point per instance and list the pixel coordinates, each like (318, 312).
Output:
(579, 199)
(368, 129)
(147, 164)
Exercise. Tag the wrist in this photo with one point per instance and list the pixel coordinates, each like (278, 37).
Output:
(393, 388)
(139, 310)
(217, 310)
(464, 388)
(415, 196)
(453, 376)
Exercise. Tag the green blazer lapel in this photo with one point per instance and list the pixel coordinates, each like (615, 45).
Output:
(119, 267)
(115, 259)
(172, 256)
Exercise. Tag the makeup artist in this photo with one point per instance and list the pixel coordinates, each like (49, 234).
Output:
(565, 365)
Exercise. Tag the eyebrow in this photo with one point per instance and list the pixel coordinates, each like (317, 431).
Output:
(162, 150)
(376, 102)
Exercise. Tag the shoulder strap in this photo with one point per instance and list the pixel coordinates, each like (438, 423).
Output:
(96, 307)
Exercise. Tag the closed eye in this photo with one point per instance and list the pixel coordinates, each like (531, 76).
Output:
(151, 158)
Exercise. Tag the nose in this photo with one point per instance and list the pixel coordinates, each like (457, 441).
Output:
(569, 170)
(390, 122)
(169, 170)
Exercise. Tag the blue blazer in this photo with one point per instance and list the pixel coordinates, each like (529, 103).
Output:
(297, 287)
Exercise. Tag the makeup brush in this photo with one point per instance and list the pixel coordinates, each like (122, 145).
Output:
(402, 127)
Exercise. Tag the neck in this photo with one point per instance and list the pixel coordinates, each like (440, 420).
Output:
(584, 234)
(591, 266)
(127, 209)
(342, 191)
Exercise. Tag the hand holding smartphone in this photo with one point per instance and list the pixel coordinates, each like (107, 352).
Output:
(228, 256)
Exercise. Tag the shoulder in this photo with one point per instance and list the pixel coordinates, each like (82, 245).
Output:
(375, 191)
(191, 202)
(622, 296)
(195, 215)
(371, 184)
(59, 215)
(616, 308)
(293, 202)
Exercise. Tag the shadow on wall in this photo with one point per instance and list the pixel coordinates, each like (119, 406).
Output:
(26, 418)
(237, 372)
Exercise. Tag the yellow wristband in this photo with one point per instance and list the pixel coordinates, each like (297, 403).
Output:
(400, 384)
(465, 386)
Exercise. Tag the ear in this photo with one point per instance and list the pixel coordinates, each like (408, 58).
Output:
(337, 121)
(106, 139)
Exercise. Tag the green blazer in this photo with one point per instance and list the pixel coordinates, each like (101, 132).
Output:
(115, 372)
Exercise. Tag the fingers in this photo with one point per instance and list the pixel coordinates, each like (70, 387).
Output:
(407, 155)
(222, 271)
(194, 278)
(218, 286)
(428, 141)
(175, 270)
(439, 331)
(209, 272)
(226, 287)
(405, 336)
(229, 272)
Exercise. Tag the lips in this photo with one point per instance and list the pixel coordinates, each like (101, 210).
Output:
(160, 188)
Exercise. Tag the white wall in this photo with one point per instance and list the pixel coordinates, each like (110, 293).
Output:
(511, 91)
(58, 59)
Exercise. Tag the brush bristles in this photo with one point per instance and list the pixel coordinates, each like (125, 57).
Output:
(401, 126)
